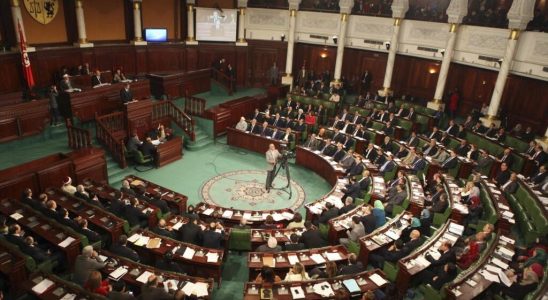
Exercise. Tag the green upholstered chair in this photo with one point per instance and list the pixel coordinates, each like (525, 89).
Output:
(142, 160)
(354, 247)
(240, 240)
(391, 270)
(324, 231)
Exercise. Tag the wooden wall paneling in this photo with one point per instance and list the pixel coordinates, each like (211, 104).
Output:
(241, 66)
(10, 64)
(311, 56)
(207, 52)
(261, 55)
(111, 58)
(475, 85)
(162, 58)
(191, 58)
(214, 3)
(415, 76)
(47, 63)
(8, 128)
(357, 61)
(52, 176)
(12, 188)
(140, 60)
(529, 108)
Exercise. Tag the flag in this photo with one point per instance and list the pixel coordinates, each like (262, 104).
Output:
(25, 61)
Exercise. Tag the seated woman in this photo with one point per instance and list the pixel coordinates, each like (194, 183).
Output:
(96, 284)
(267, 277)
(472, 251)
(310, 118)
(330, 271)
(119, 76)
(523, 283)
(379, 213)
(297, 273)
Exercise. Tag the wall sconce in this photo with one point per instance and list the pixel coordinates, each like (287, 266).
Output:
(282, 37)
(323, 54)
(432, 70)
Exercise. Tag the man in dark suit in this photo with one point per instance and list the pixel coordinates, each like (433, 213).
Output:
(388, 129)
(120, 248)
(294, 244)
(356, 169)
(29, 248)
(442, 276)
(152, 290)
(354, 190)
(413, 140)
(265, 131)
(92, 236)
(134, 215)
(51, 210)
(506, 157)
(327, 148)
(147, 148)
(96, 79)
(312, 142)
(300, 126)
(450, 162)
(166, 263)
(447, 255)
(354, 266)
(253, 127)
(419, 163)
(339, 153)
(484, 160)
(212, 238)
(330, 212)
(125, 94)
(163, 230)
(312, 238)
(191, 232)
(348, 206)
(117, 205)
(388, 166)
(65, 219)
(539, 177)
(540, 156)
(431, 149)
(370, 153)
(434, 134)
(368, 220)
(463, 148)
(512, 185)
(503, 175)
(338, 136)
(452, 128)
(119, 291)
(397, 199)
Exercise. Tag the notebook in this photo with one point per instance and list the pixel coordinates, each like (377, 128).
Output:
(352, 285)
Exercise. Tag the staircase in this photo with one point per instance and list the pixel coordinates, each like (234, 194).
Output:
(201, 141)
(115, 173)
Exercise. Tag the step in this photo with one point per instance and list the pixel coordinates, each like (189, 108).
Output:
(199, 145)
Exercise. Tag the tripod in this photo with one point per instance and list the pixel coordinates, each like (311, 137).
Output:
(282, 164)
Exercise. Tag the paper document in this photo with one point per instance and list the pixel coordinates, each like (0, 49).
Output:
(317, 258)
(143, 240)
(500, 263)
(333, 256)
(503, 278)
(422, 261)
(212, 257)
(174, 284)
(323, 289)
(69, 296)
(134, 238)
(42, 286)
(490, 276)
(154, 243)
(208, 212)
(378, 280)
(177, 226)
(351, 285)
(189, 253)
(118, 273)
(293, 259)
(143, 278)
(227, 214)
(297, 292)
(66, 242)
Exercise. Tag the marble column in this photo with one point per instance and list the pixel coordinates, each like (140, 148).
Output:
(241, 27)
(18, 21)
(81, 24)
(386, 91)
(190, 40)
(494, 105)
(340, 47)
(137, 28)
(288, 78)
(444, 69)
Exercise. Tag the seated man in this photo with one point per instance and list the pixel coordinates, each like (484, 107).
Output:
(397, 199)
(125, 94)
(293, 244)
(191, 232)
(92, 236)
(164, 230)
(213, 236)
(330, 212)
(312, 237)
(147, 148)
(271, 246)
(67, 186)
(120, 248)
(356, 231)
(354, 266)
(96, 79)
(134, 215)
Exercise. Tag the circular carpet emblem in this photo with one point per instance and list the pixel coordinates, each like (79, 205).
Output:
(246, 190)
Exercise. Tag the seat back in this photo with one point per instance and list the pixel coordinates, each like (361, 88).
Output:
(240, 239)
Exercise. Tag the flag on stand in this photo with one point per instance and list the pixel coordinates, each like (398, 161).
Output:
(25, 61)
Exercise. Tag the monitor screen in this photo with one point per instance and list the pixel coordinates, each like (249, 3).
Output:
(215, 25)
(156, 34)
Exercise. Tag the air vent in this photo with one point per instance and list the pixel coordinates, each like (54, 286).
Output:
(373, 42)
(319, 37)
(427, 49)
(545, 69)
(488, 58)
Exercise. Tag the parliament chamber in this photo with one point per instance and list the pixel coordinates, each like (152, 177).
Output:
(274, 149)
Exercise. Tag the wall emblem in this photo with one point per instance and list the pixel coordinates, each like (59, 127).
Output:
(43, 11)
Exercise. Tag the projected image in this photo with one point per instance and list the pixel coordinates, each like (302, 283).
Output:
(156, 35)
(215, 25)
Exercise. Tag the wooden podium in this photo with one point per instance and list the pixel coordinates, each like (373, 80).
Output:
(139, 117)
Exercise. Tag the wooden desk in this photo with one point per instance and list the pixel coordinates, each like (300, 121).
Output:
(282, 235)
(255, 218)
(282, 265)
(19, 120)
(416, 194)
(49, 230)
(466, 291)
(103, 220)
(106, 193)
(199, 266)
(12, 267)
(281, 291)
(317, 163)
(58, 289)
(137, 269)
(249, 141)
(372, 242)
(102, 100)
(338, 226)
(85, 80)
(169, 151)
(175, 201)
(504, 222)
(180, 84)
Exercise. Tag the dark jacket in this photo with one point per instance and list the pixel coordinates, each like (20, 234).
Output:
(124, 251)
(312, 239)
(191, 233)
(212, 239)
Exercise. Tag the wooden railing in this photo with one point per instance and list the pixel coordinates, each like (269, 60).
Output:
(78, 138)
(194, 106)
(105, 126)
(163, 109)
(225, 81)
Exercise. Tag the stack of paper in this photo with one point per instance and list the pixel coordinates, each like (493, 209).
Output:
(323, 289)
(66, 242)
(16, 216)
(227, 214)
(144, 277)
(317, 258)
(143, 240)
(269, 261)
(189, 253)
(208, 211)
(178, 225)
(118, 273)
(200, 289)
(170, 282)
(377, 279)
(212, 257)
(288, 216)
(333, 256)
(69, 296)
(42, 286)
(293, 259)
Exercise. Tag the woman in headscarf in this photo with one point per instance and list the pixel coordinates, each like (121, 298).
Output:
(378, 212)
(538, 256)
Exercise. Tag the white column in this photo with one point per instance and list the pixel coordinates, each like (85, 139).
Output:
(444, 69)
(288, 78)
(340, 47)
(386, 91)
(18, 20)
(501, 79)
(81, 23)
(241, 27)
(190, 40)
(137, 28)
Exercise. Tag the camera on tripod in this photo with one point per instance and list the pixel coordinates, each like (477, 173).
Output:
(285, 155)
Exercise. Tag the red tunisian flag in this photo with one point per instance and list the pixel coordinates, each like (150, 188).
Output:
(25, 61)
